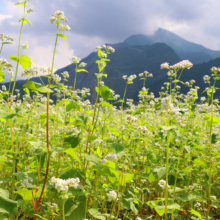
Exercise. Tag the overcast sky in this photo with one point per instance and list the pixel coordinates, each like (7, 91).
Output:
(95, 22)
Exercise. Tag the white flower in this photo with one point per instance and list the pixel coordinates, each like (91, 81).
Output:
(141, 74)
(215, 69)
(185, 64)
(25, 46)
(65, 74)
(52, 19)
(111, 156)
(75, 59)
(29, 10)
(164, 65)
(206, 79)
(56, 78)
(125, 77)
(63, 185)
(112, 195)
(64, 27)
(57, 16)
(82, 64)
(111, 49)
(3, 87)
(162, 184)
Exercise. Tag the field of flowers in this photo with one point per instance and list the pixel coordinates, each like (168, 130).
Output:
(72, 160)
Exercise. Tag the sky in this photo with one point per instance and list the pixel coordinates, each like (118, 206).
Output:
(96, 22)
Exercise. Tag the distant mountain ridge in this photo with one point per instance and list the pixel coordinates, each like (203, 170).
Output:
(137, 54)
(196, 53)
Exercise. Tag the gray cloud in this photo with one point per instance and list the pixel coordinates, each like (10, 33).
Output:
(94, 22)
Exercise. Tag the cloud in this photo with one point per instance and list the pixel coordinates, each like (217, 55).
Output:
(94, 22)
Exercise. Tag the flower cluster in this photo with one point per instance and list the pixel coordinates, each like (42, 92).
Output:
(75, 59)
(30, 10)
(162, 184)
(56, 78)
(64, 185)
(65, 74)
(6, 38)
(185, 64)
(64, 27)
(107, 48)
(58, 16)
(206, 79)
(111, 156)
(30, 72)
(4, 65)
(112, 195)
(130, 78)
(145, 74)
(82, 64)
(25, 46)
(165, 66)
(215, 69)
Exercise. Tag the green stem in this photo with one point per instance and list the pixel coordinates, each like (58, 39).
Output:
(210, 153)
(74, 86)
(47, 132)
(19, 44)
(64, 211)
(1, 48)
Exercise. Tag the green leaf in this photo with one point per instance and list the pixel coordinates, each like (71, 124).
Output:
(160, 171)
(25, 61)
(2, 76)
(196, 213)
(22, 3)
(7, 43)
(187, 197)
(36, 144)
(200, 162)
(72, 140)
(118, 147)
(93, 158)
(188, 149)
(61, 35)
(168, 128)
(151, 178)
(72, 153)
(27, 91)
(81, 70)
(7, 115)
(96, 214)
(72, 173)
(15, 58)
(73, 105)
(25, 21)
(99, 53)
(63, 102)
(8, 206)
(105, 92)
(4, 193)
(100, 75)
(37, 87)
(108, 105)
(76, 212)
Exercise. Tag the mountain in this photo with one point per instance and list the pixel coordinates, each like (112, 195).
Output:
(196, 53)
(196, 72)
(125, 61)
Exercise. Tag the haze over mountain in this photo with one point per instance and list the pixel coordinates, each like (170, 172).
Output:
(196, 53)
(137, 54)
